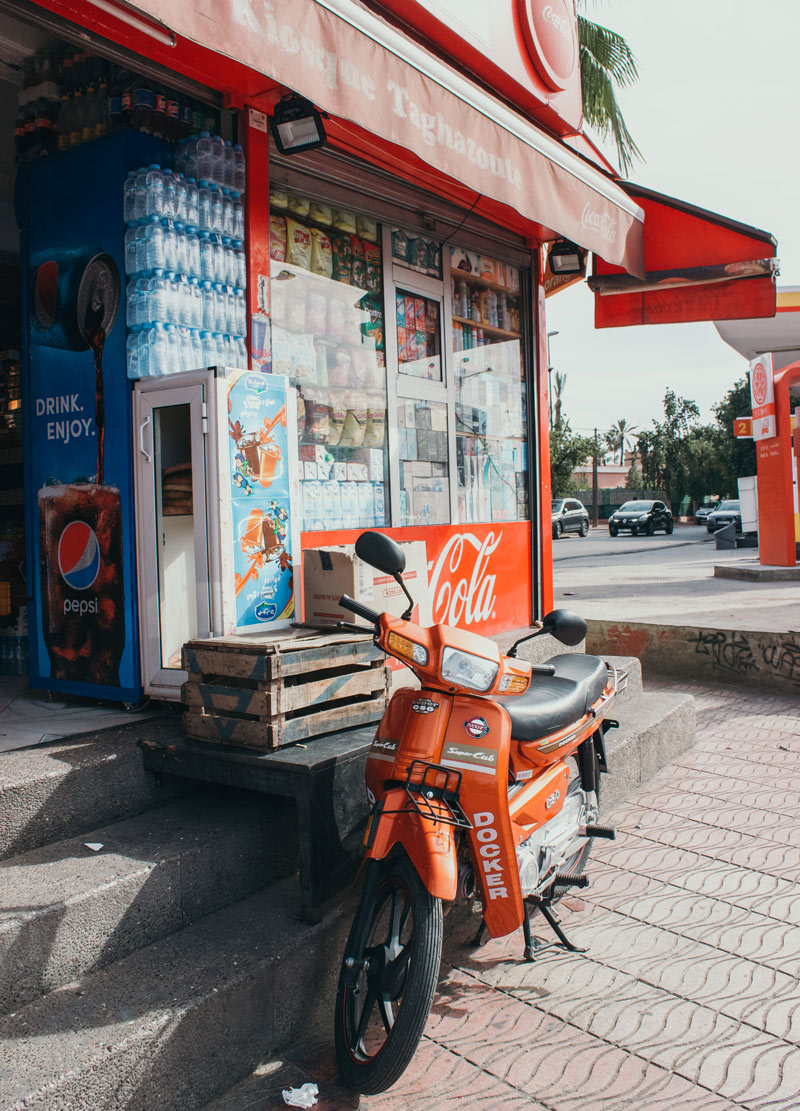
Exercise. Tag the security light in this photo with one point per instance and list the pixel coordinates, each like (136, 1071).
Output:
(566, 258)
(296, 125)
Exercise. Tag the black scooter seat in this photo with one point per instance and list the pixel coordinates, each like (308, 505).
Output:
(552, 702)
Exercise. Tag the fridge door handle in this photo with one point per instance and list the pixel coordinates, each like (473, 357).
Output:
(142, 448)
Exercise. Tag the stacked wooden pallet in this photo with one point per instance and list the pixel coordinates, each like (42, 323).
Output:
(270, 691)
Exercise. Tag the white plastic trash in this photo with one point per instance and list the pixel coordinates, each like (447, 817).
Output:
(301, 1097)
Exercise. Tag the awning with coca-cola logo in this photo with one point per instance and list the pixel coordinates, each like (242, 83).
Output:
(699, 266)
(357, 67)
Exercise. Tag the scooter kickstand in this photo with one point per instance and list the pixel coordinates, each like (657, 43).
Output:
(481, 936)
(555, 926)
(529, 954)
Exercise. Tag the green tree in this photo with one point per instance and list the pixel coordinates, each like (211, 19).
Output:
(737, 457)
(566, 453)
(634, 479)
(560, 382)
(620, 433)
(664, 450)
(607, 64)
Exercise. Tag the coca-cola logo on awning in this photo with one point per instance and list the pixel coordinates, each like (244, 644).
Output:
(461, 585)
(550, 30)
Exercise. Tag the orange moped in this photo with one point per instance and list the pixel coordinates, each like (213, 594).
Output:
(482, 783)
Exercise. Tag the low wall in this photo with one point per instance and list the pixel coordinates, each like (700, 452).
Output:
(767, 660)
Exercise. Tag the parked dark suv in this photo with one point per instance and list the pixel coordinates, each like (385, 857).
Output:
(728, 512)
(569, 516)
(641, 516)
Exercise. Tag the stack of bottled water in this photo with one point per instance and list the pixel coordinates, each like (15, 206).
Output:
(207, 157)
(185, 262)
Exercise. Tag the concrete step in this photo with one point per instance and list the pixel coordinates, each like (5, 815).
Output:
(654, 729)
(59, 790)
(176, 1024)
(66, 910)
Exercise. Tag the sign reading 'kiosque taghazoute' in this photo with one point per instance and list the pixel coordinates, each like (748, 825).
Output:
(308, 48)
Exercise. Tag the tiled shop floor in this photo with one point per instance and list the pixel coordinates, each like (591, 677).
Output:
(688, 997)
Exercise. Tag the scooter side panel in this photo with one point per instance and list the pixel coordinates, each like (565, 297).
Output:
(412, 728)
(476, 743)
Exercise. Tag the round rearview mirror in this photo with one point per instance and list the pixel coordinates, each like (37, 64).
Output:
(381, 552)
(566, 626)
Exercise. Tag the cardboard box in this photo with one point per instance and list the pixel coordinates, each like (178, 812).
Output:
(357, 472)
(330, 572)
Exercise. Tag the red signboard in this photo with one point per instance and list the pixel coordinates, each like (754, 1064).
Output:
(551, 31)
(763, 398)
(479, 576)
(743, 428)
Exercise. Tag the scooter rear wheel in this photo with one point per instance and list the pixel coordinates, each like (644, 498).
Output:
(380, 1020)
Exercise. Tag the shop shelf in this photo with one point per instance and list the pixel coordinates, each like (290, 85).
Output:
(489, 329)
(484, 283)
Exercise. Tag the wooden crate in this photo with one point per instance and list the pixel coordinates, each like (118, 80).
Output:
(266, 692)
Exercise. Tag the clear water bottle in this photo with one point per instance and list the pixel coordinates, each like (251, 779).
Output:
(207, 292)
(224, 273)
(240, 265)
(192, 251)
(217, 160)
(204, 206)
(197, 350)
(220, 259)
(130, 304)
(141, 247)
(180, 248)
(192, 213)
(170, 238)
(180, 156)
(227, 212)
(140, 194)
(208, 349)
(130, 250)
(141, 301)
(203, 159)
(239, 178)
(158, 354)
(170, 206)
(228, 165)
(157, 296)
(154, 191)
(207, 257)
(180, 198)
(241, 313)
(238, 214)
(241, 353)
(170, 298)
(218, 354)
(190, 157)
(219, 308)
(128, 197)
(184, 299)
(216, 217)
(132, 355)
(197, 303)
(154, 244)
(175, 353)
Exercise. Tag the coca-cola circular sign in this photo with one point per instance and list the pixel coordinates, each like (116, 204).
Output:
(550, 30)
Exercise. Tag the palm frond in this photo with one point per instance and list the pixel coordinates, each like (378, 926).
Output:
(607, 62)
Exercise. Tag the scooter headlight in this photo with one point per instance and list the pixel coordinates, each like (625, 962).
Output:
(465, 670)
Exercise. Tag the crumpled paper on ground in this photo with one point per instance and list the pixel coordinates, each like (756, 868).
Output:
(301, 1097)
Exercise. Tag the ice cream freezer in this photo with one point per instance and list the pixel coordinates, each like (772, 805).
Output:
(215, 485)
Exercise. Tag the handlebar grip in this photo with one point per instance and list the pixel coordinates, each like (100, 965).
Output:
(355, 607)
(542, 669)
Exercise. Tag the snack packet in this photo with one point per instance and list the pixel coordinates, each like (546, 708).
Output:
(358, 263)
(320, 213)
(277, 237)
(344, 221)
(298, 206)
(298, 244)
(338, 413)
(375, 430)
(367, 228)
(321, 253)
(318, 425)
(278, 199)
(355, 423)
(340, 245)
(372, 258)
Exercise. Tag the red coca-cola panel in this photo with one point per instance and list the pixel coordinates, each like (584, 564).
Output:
(479, 576)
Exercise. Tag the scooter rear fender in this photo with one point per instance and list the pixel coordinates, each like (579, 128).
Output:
(430, 846)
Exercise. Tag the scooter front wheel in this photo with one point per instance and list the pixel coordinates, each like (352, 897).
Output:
(386, 991)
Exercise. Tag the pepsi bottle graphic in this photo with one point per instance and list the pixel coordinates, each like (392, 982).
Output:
(83, 614)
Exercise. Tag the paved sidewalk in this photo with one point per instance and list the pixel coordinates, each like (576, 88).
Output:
(688, 999)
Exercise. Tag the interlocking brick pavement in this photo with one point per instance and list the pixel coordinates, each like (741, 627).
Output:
(688, 997)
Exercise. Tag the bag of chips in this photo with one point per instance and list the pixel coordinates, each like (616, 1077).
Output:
(277, 237)
(320, 213)
(399, 245)
(355, 423)
(344, 221)
(298, 244)
(340, 245)
(367, 228)
(278, 199)
(318, 424)
(375, 431)
(372, 258)
(321, 253)
(358, 263)
(338, 413)
(298, 206)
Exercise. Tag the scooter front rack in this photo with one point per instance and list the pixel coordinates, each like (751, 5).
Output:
(433, 791)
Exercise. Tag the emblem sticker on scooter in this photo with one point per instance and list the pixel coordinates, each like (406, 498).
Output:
(424, 706)
(477, 727)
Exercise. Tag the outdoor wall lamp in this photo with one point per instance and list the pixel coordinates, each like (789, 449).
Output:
(296, 125)
(566, 258)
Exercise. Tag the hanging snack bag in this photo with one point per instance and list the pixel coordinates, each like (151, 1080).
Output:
(277, 237)
(375, 431)
(278, 199)
(316, 312)
(340, 245)
(372, 258)
(298, 244)
(321, 253)
(355, 423)
(338, 414)
(320, 214)
(358, 263)
(298, 206)
(367, 228)
(399, 245)
(344, 221)
(318, 424)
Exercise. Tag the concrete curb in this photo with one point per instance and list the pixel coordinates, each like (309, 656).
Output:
(762, 659)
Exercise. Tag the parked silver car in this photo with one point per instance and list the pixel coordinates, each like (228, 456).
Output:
(569, 515)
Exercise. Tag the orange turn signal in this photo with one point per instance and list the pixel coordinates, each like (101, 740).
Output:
(402, 646)
(514, 684)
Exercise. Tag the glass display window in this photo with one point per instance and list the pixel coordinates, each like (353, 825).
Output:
(417, 252)
(328, 339)
(491, 397)
(424, 466)
(419, 335)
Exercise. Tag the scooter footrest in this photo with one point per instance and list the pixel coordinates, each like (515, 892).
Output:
(567, 879)
(608, 832)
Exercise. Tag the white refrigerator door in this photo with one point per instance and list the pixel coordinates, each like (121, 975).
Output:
(170, 477)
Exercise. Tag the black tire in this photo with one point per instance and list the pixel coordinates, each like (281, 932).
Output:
(612, 530)
(558, 529)
(584, 527)
(669, 527)
(649, 528)
(634, 531)
(378, 1026)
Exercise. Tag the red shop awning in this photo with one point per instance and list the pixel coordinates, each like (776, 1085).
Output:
(698, 266)
(355, 66)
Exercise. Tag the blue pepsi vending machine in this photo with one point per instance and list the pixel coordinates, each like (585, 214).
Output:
(82, 611)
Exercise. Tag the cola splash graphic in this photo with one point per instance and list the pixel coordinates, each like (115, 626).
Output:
(96, 308)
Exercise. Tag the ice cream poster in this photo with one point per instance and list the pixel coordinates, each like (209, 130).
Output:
(258, 443)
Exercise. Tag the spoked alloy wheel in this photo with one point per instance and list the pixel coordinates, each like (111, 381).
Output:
(380, 1019)
(584, 527)
(558, 529)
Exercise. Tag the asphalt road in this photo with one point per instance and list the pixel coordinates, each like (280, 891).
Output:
(599, 543)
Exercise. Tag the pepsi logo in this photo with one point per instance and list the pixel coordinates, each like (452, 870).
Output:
(78, 555)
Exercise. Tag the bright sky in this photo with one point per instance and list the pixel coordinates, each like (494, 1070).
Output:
(714, 114)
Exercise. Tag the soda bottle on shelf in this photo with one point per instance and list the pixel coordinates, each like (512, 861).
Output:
(142, 106)
(173, 118)
(184, 120)
(158, 127)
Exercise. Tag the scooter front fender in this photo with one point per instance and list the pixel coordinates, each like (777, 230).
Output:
(431, 846)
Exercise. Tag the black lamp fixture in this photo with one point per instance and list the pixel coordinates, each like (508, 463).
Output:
(296, 125)
(566, 258)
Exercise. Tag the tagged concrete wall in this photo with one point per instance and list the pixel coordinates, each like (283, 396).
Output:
(767, 660)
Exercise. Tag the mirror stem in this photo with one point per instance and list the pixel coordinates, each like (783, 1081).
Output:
(399, 579)
(512, 652)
